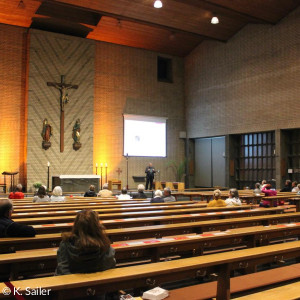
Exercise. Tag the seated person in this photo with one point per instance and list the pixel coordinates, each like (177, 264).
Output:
(217, 202)
(105, 192)
(9, 228)
(57, 195)
(140, 194)
(86, 249)
(298, 188)
(167, 195)
(41, 195)
(233, 199)
(268, 192)
(157, 197)
(90, 192)
(263, 183)
(257, 189)
(295, 188)
(17, 194)
(124, 195)
(287, 186)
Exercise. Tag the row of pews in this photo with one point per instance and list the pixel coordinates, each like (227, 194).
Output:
(156, 244)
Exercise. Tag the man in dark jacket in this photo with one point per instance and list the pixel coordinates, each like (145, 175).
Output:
(150, 171)
(287, 186)
(140, 194)
(91, 192)
(9, 228)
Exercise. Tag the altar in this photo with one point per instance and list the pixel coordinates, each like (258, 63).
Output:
(79, 183)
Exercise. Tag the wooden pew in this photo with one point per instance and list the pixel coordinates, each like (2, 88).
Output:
(44, 260)
(73, 212)
(158, 231)
(297, 202)
(243, 284)
(284, 292)
(31, 208)
(127, 210)
(160, 220)
(82, 201)
(146, 276)
(33, 219)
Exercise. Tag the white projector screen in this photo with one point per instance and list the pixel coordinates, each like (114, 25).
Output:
(145, 136)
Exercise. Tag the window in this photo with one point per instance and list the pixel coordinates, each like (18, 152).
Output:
(255, 158)
(164, 69)
(293, 147)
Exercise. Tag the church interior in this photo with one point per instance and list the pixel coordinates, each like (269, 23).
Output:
(149, 149)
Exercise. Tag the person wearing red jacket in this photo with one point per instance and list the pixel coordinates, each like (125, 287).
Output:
(18, 194)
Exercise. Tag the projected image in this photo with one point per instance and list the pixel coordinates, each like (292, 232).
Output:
(144, 137)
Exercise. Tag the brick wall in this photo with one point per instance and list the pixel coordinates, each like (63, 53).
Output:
(249, 84)
(53, 55)
(120, 80)
(126, 82)
(13, 62)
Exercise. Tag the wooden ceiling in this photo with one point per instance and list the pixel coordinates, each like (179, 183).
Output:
(176, 28)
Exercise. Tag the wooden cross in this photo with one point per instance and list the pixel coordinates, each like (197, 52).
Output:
(64, 99)
(119, 171)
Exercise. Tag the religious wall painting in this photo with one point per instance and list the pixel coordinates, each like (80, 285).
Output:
(76, 135)
(46, 134)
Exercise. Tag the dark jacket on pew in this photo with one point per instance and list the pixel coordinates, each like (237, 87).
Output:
(139, 195)
(157, 200)
(9, 228)
(90, 194)
(71, 260)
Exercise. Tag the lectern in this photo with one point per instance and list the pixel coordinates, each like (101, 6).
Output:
(12, 180)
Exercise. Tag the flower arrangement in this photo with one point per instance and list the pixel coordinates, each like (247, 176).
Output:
(37, 185)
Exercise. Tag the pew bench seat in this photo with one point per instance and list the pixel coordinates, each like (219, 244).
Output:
(285, 292)
(241, 284)
(147, 276)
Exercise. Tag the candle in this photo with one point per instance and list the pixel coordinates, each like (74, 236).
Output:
(101, 165)
(48, 164)
(96, 165)
(105, 165)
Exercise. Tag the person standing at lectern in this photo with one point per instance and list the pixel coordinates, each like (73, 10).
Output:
(149, 176)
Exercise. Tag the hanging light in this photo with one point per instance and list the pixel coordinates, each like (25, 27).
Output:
(214, 20)
(158, 4)
(21, 4)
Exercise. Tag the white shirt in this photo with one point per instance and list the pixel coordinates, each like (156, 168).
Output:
(295, 190)
(38, 199)
(233, 202)
(57, 199)
(124, 197)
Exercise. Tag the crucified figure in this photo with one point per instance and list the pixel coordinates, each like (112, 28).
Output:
(64, 99)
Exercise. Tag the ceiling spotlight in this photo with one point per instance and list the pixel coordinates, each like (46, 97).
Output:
(21, 4)
(158, 4)
(214, 20)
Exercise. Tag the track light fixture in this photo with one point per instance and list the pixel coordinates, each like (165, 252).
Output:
(214, 20)
(158, 4)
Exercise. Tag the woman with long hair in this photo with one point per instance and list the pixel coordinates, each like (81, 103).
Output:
(86, 249)
(41, 195)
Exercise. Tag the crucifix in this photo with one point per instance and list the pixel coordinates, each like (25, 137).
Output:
(64, 99)
(119, 171)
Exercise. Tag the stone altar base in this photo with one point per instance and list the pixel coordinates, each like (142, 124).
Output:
(79, 183)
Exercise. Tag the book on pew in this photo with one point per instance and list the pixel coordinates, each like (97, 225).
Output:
(156, 294)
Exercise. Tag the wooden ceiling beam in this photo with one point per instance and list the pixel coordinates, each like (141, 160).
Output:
(140, 21)
(223, 10)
